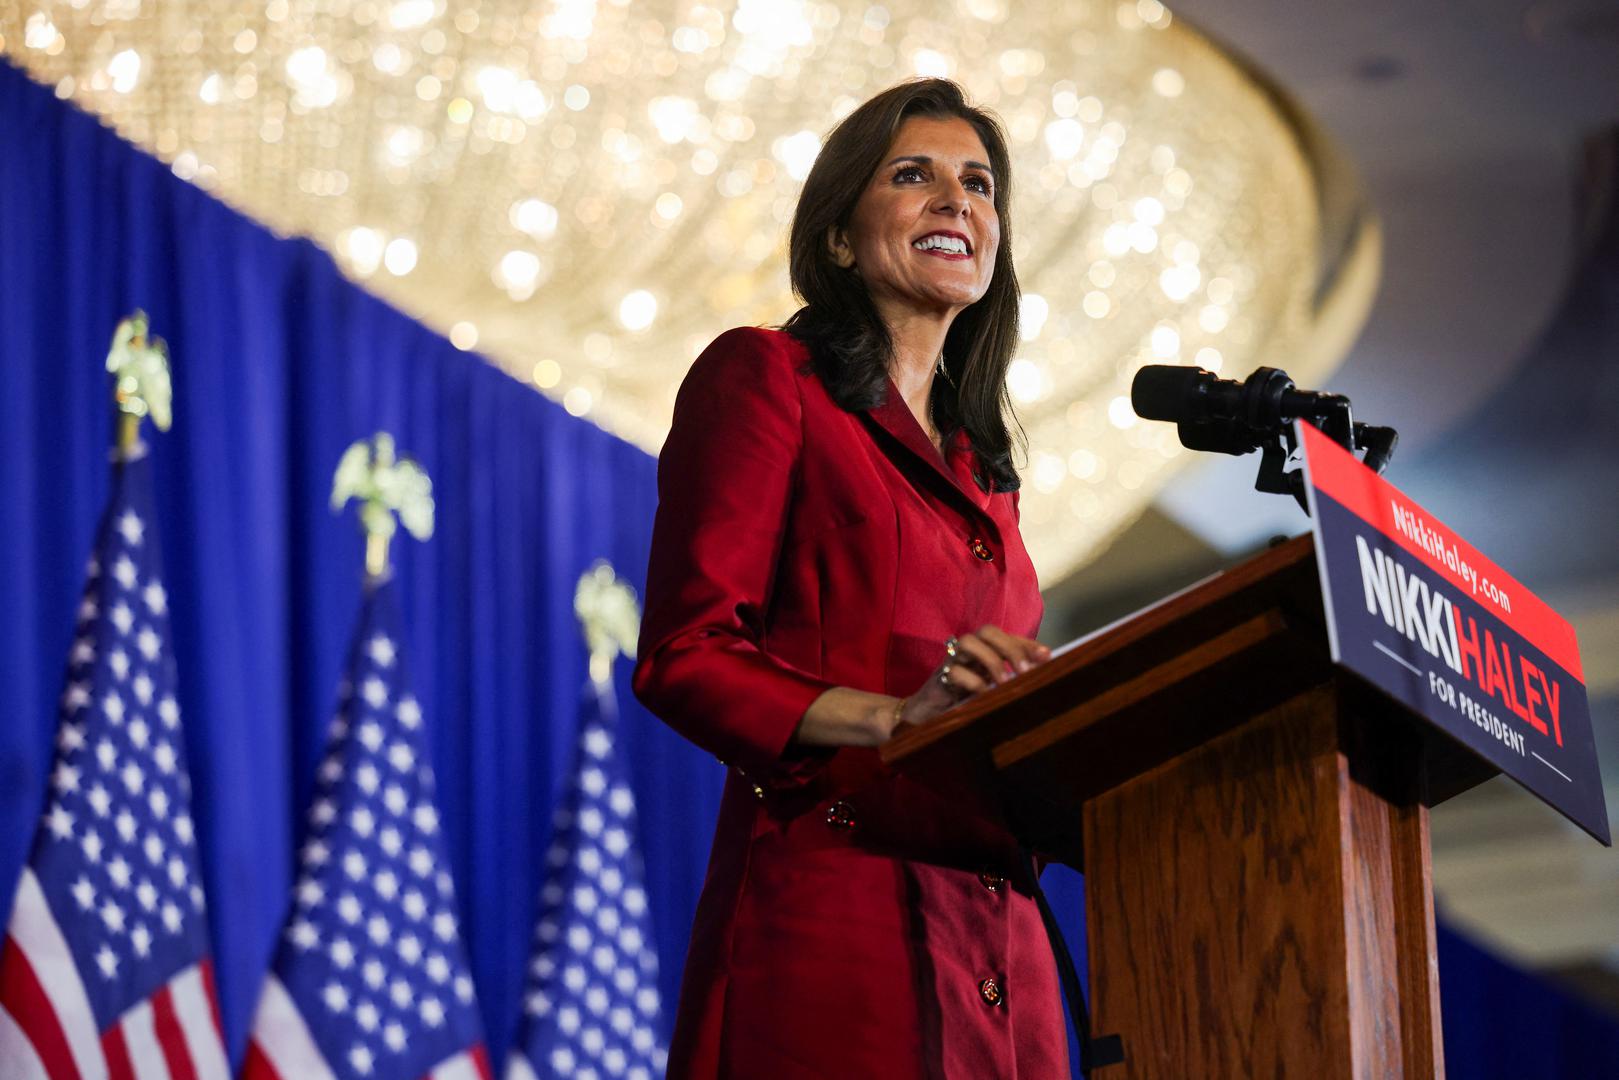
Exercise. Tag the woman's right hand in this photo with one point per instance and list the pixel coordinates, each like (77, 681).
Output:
(987, 657)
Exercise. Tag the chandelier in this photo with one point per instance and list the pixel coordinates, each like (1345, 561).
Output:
(586, 192)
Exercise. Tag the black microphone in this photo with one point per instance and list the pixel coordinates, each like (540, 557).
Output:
(1215, 410)
(1173, 393)
(1226, 417)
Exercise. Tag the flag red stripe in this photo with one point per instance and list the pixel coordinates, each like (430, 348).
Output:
(206, 965)
(255, 1066)
(170, 1038)
(116, 1051)
(480, 1061)
(24, 998)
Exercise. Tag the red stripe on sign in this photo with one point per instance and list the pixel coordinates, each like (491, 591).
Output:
(25, 999)
(170, 1037)
(116, 1051)
(480, 1061)
(255, 1066)
(206, 966)
(1335, 472)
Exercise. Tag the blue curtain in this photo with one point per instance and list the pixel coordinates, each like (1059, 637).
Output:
(1502, 1023)
(279, 363)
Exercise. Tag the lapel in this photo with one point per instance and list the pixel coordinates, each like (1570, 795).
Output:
(955, 476)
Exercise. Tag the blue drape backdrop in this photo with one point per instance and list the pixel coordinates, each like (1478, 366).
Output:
(279, 363)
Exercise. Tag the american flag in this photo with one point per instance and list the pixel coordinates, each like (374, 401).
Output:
(370, 978)
(105, 969)
(590, 1007)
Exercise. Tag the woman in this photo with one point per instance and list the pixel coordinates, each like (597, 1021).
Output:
(836, 554)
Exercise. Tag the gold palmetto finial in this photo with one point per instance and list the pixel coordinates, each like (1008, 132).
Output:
(141, 386)
(385, 485)
(609, 616)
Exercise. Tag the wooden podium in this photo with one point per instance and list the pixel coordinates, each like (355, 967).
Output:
(1252, 823)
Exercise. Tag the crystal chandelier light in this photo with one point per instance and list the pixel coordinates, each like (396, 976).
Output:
(588, 191)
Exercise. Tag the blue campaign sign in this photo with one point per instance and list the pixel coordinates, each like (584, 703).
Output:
(1419, 613)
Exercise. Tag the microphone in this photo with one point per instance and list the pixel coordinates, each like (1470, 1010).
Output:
(1228, 417)
(1263, 402)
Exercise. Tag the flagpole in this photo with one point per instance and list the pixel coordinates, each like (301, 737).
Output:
(376, 555)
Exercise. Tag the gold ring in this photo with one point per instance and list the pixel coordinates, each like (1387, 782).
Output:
(950, 647)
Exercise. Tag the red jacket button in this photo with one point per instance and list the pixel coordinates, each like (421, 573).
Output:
(981, 549)
(990, 991)
(992, 882)
(840, 815)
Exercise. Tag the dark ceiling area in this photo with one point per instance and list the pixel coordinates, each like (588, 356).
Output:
(1532, 475)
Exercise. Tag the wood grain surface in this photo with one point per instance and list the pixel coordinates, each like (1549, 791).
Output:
(1246, 916)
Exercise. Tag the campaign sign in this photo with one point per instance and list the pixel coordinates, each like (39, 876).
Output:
(1416, 611)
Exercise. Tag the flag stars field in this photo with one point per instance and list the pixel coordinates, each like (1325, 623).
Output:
(381, 651)
(114, 858)
(409, 713)
(395, 802)
(119, 873)
(591, 1003)
(148, 643)
(124, 572)
(131, 528)
(65, 777)
(364, 979)
(60, 822)
(70, 737)
(74, 698)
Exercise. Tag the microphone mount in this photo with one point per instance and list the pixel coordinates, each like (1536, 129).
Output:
(1229, 417)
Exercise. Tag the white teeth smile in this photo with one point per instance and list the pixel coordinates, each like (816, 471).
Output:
(953, 244)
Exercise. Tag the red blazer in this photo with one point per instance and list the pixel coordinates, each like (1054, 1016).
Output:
(852, 924)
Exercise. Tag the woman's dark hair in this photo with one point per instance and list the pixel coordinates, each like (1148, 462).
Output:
(847, 338)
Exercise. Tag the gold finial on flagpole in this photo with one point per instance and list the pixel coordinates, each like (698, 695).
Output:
(141, 385)
(369, 472)
(608, 615)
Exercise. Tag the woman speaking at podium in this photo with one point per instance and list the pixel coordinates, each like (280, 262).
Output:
(836, 554)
